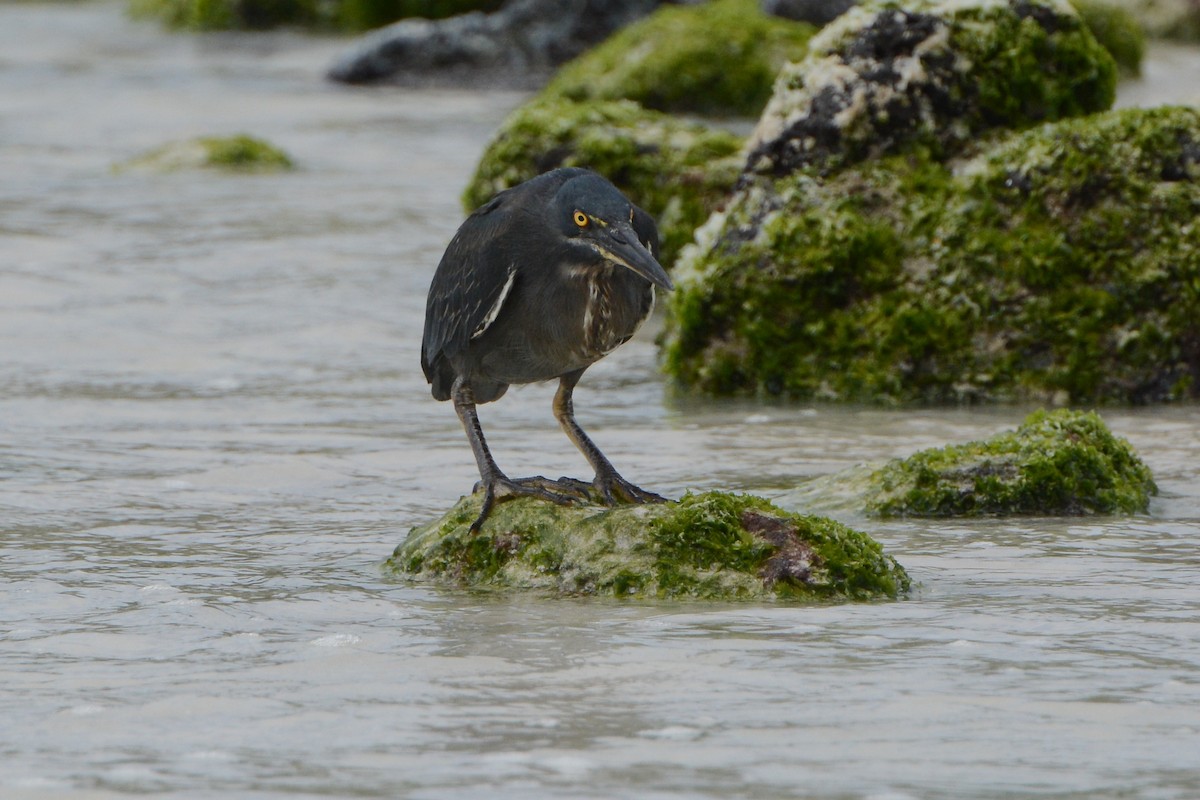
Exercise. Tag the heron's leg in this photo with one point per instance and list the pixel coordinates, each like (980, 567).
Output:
(611, 486)
(496, 485)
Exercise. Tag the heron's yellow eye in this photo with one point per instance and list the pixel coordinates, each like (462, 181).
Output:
(581, 219)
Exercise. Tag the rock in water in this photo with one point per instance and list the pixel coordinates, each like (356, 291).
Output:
(518, 44)
(712, 546)
(937, 208)
(1059, 463)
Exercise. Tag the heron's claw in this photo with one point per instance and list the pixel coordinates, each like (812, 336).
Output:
(499, 489)
(614, 489)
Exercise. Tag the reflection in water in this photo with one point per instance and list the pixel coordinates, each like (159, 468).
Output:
(213, 429)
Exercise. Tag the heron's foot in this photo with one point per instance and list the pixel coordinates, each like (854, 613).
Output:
(614, 489)
(501, 488)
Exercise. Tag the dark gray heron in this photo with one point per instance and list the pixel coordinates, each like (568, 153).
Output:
(541, 282)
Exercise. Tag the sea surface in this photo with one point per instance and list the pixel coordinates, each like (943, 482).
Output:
(214, 429)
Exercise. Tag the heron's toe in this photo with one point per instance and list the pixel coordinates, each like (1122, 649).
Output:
(501, 489)
(614, 489)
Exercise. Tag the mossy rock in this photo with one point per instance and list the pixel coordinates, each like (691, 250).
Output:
(239, 153)
(213, 15)
(932, 73)
(1117, 30)
(716, 59)
(361, 15)
(678, 171)
(711, 546)
(1166, 19)
(1061, 264)
(1056, 463)
(348, 15)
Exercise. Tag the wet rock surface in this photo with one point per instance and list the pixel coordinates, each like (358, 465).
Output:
(515, 46)
(711, 546)
(905, 230)
(1061, 463)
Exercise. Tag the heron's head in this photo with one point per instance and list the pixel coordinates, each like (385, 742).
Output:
(599, 223)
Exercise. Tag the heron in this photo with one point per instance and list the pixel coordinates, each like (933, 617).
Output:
(540, 282)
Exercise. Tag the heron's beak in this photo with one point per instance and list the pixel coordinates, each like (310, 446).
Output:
(619, 244)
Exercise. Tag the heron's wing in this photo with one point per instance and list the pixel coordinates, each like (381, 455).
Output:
(470, 285)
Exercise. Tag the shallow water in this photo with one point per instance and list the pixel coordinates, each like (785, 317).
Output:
(213, 429)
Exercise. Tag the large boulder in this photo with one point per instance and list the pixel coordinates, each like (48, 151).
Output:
(893, 239)
(1059, 264)
(1113, 25)
(935, 72)
(712, 546)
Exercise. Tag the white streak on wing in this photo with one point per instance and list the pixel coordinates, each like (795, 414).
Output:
(494, 311)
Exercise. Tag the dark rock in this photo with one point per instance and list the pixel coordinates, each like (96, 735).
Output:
(818, 12)
(517, 45)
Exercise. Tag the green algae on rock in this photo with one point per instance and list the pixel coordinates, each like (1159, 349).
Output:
(716, 59)
(937, 73)
(1056, 463)
(1166, 19)
(239, 153)
(1060, 264)
(713, 546)
(349, 15)
(678, 171)
(1117, 30)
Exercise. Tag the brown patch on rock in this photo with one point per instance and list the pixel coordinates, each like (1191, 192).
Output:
(793, 558)
(508, 543)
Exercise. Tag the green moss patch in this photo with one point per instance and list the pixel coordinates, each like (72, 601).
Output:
(348, 15)
(678, 171)
(719, 58)
(1166, 19)
(931, 73)
(1060, 264)
(229, 153)
(1058, 463)
(712, 546)
(1117, 30)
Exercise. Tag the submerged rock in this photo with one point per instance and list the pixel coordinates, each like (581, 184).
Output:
(1058, 463)
(239, 153)
(713, 546)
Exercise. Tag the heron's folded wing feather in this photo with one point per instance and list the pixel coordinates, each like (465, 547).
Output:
(473, 276)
